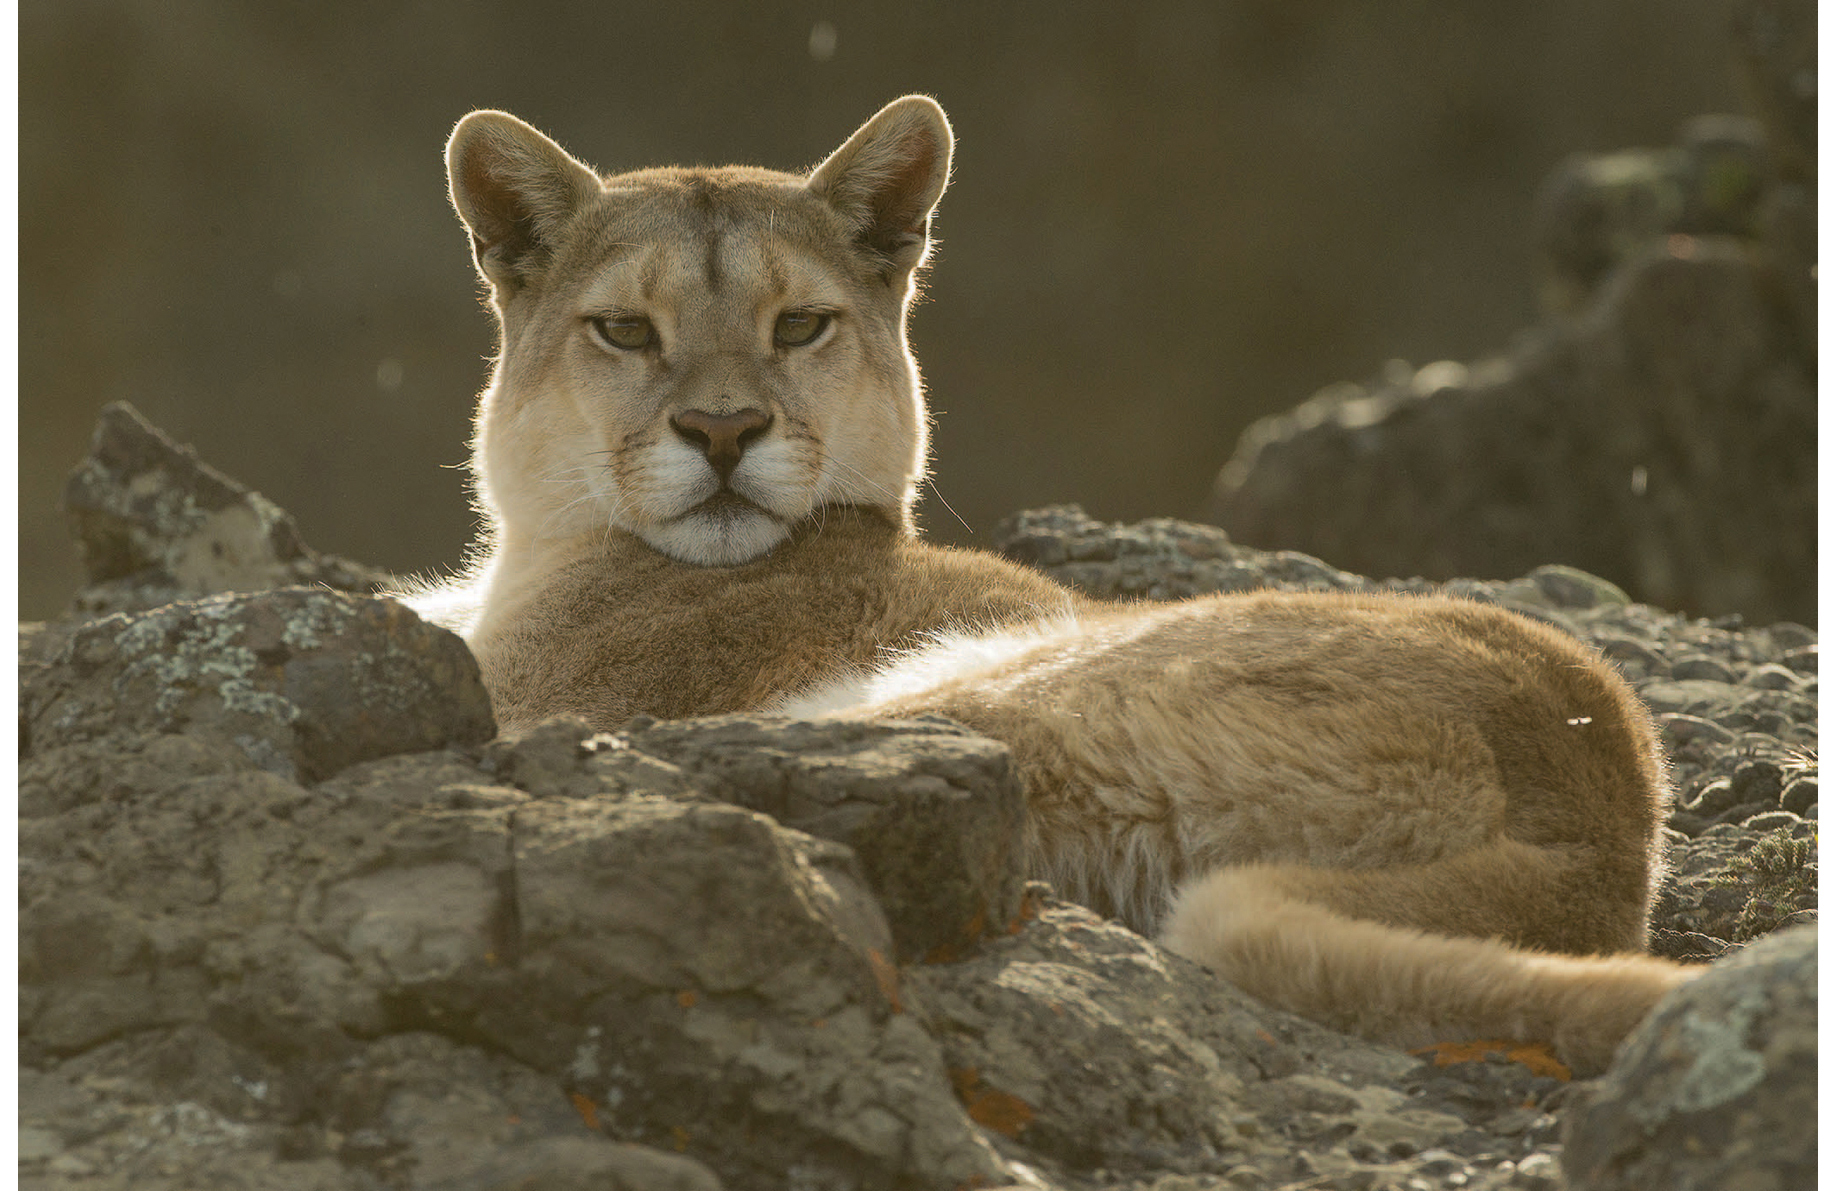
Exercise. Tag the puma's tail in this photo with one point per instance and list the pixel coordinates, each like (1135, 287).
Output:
(1264, 927)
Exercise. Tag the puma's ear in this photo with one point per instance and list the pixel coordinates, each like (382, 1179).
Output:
(888, 177)
(514, 188)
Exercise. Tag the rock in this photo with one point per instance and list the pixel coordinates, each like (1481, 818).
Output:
(1715, 1089)
(934, 813)
(1688, 697)
(1596, 211)
(1799, 796)
(709, 981)
(413, 1110)
(1800, 661)
(1659, 430)
(303, 681)
(1087, 1048)
(1158, 559)
(153, 525)
(1633, 659)
(1569, 587)
(275, 964)
(1701, 669)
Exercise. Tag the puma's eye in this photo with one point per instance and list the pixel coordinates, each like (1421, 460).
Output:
(627, 332)
(798, 327)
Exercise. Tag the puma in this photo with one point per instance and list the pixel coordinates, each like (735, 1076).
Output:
(1417, 819)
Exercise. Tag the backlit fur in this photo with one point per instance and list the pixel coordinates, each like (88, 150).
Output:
(1416, 818)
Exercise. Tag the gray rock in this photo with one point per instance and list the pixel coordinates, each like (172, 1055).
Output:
(1159, 559)
(153, 524)
(1657, 428)
(1799, 796)
(1773, 677)
(934, 813)
(1717, 1089)
(272, 962)
(1701, 669)
(1800, 661)
(304, 681)
(713, 982)
(1569, 587)
(1688, 697)
(1633, 659)
(1680, 730)
(1090, 1049)
(185, 1108)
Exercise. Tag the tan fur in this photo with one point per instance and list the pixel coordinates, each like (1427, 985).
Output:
(1408, 817)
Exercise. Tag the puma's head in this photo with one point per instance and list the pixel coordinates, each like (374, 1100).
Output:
(701, 357)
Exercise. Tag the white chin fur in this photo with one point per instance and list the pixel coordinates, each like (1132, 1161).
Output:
(721, 539)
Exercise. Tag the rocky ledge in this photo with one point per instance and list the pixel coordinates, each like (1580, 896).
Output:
(293, 918)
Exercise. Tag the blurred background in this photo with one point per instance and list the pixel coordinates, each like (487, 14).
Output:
(1168, 218)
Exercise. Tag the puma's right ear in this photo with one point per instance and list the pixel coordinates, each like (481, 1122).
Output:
(514, 188)
(888, 177)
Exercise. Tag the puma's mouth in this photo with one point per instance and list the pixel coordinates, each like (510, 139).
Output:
(725, 500)
(727, 505)
(725, 529)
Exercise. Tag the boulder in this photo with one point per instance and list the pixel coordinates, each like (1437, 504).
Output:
(154, 524)
(1657, 427)
(1717, 1089)
(302, 680)
(674, 971)
(934, 813)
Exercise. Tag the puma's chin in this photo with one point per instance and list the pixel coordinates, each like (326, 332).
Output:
(718, 533)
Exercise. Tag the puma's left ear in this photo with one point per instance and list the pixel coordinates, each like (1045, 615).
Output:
(887, 179)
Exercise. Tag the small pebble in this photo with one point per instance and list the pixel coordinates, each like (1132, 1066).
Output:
(1772, 677)
(1798, 795)
(1634, 659)
(1788, 636)
(1686, 729)
(1770, 821)
(1706, 669)
(1714, 799)
(1758, 781)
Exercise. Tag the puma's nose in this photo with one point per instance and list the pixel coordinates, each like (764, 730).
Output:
(723, 438)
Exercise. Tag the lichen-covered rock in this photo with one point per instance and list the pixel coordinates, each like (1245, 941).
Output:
(304, 681)
(1717, 1089)
(934, 813)
(153, 524)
